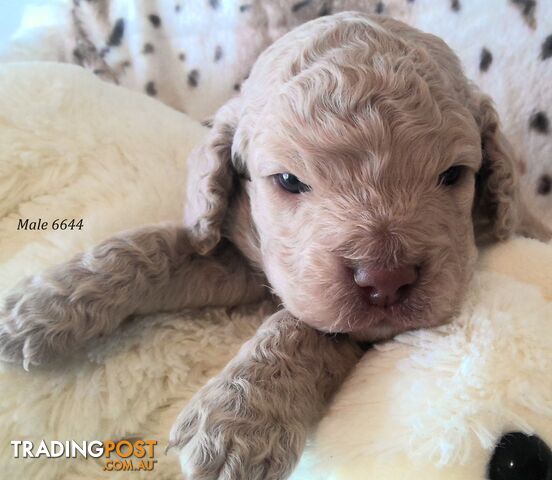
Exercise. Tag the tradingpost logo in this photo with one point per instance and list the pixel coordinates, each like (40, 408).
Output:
(120, 455)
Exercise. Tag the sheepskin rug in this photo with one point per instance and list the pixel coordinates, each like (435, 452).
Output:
(73, 147)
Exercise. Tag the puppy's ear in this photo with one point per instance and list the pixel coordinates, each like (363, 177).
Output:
(499, 210)
(211, 180)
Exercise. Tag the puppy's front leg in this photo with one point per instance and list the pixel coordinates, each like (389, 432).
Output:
(146, 270)
(251, 421)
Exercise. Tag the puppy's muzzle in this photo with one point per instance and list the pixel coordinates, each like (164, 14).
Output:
(384, 288)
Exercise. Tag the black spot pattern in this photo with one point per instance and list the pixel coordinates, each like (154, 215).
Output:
(150, 89)
(155, 20)
(245, 7)
(193, 78)
(148, 48)
(78, 56)
(182, 56)
(116, 35)
(214, 4)
(539, 122)
(177, 8)
(485, 60)
(299, 5)
(237, 87)
(380, 7)
(545, 185)
(455, 5)
(218, 53)
(527, 8)
(546, 51)
(207, 123)
(325, 10)
(104, 51)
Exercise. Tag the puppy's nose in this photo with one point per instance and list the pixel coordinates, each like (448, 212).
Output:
(385, 287)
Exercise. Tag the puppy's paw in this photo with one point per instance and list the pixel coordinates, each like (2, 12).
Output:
(42, 320)
(228, 432)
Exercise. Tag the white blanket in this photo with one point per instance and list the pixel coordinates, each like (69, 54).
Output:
(114, 159)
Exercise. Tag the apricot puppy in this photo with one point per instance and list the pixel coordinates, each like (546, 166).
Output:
(355, 174)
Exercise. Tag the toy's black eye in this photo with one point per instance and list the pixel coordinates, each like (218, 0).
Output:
(451, 175)
(290, 183)
(518, 456)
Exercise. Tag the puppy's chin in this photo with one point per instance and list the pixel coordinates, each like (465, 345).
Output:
(378, 333)
(377, 323)
(368, 323)
(388, 326)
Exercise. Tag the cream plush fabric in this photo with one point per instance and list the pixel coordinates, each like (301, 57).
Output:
(432, 404)
(72, 146)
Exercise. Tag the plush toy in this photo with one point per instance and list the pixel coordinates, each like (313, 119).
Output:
(471, 400)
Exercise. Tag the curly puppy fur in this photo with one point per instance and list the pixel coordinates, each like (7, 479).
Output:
(367, 112)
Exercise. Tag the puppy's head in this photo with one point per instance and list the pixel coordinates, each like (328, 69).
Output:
(358, 169)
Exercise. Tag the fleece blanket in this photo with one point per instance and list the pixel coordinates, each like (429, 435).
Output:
(114, 159)
(193, 56)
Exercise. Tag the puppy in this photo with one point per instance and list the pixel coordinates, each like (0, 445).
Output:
(355, 174)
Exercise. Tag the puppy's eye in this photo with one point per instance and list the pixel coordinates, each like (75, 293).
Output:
(451, 175)
(290, 183)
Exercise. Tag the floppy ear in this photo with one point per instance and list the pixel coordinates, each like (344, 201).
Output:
(499, 210)
(211, 180)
